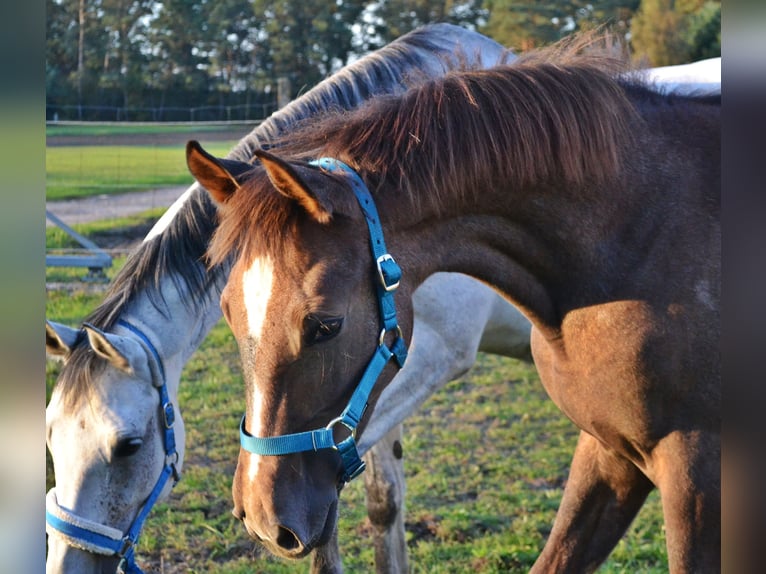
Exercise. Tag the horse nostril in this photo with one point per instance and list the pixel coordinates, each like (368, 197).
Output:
(287, 540)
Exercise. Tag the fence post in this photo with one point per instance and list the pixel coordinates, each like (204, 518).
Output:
(283, 92)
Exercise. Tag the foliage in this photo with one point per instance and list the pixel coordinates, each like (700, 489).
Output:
(704, 32)
(523, 24)
(307, 40)
(158, 57)
(668, 32)
(386, 20)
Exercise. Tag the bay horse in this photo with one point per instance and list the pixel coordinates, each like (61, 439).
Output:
(589, 201)
(119, 384)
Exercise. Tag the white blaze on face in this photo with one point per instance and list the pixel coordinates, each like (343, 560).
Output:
(257, 284)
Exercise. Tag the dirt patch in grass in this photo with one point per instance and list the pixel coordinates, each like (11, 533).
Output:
(122, 238)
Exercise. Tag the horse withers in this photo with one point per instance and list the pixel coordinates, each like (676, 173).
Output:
(589, 201)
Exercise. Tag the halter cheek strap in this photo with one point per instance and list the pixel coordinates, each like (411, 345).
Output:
(389, 274)
(101, 539)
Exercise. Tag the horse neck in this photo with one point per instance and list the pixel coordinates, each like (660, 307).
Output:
(173, 327)
(497, 239)
(175, 318)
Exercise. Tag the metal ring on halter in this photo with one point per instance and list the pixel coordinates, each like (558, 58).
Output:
(340, 420)
(384, 331)
(172, 459)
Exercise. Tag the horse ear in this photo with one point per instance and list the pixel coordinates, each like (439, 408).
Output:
(291, 181)
(106, 345)
(59, 339)
(220, 177)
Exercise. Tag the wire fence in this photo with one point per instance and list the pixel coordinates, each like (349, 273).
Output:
(220, 113)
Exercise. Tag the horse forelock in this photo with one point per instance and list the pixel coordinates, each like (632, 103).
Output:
(254, 221)
(76, 381)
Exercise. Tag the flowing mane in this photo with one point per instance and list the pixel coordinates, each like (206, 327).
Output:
(555, 113)
(172, 253)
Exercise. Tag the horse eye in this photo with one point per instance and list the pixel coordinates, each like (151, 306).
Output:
(318, 330)
(127, 447)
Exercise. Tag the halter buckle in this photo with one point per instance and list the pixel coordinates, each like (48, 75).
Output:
(394, 272)
(169, 414)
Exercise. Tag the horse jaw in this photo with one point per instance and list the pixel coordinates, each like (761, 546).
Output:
(63, 559)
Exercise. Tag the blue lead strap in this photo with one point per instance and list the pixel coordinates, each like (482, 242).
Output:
(389, 275)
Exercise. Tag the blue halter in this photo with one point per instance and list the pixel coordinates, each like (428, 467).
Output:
(389, 275)
(101, 539)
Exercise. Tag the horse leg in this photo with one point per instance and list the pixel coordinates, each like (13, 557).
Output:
(604, 492)
(385, 485)
(326, 559)
(689, 481)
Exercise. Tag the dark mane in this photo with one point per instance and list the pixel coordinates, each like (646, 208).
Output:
(553, 114)
(185, 241)
(179, 251)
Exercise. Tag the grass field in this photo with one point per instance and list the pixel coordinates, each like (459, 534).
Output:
(124, 158)
(105, 129)
(80, 171)
(486, 460)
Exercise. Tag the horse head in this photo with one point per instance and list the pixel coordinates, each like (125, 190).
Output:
(306, 324)
(107, 432)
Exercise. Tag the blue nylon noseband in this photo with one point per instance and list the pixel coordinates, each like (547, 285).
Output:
(389, 275)
(105, 540)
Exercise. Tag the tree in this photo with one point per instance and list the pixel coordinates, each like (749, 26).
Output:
(76, 49)
(307, 39)
(235, 52)
(123, 60)
(178, 41)
(667, 32)
(525, 24)
(704, 34)
(60, 48)
(386, 20)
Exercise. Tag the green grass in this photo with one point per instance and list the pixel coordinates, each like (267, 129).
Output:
(486, 460)
(59, 242)
(56, 238)
(80, 171)
(97, 129)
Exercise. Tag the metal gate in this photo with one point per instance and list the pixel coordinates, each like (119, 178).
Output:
(90, 255)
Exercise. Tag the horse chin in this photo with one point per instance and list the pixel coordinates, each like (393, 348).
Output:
(62, 559)
(290, 513)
